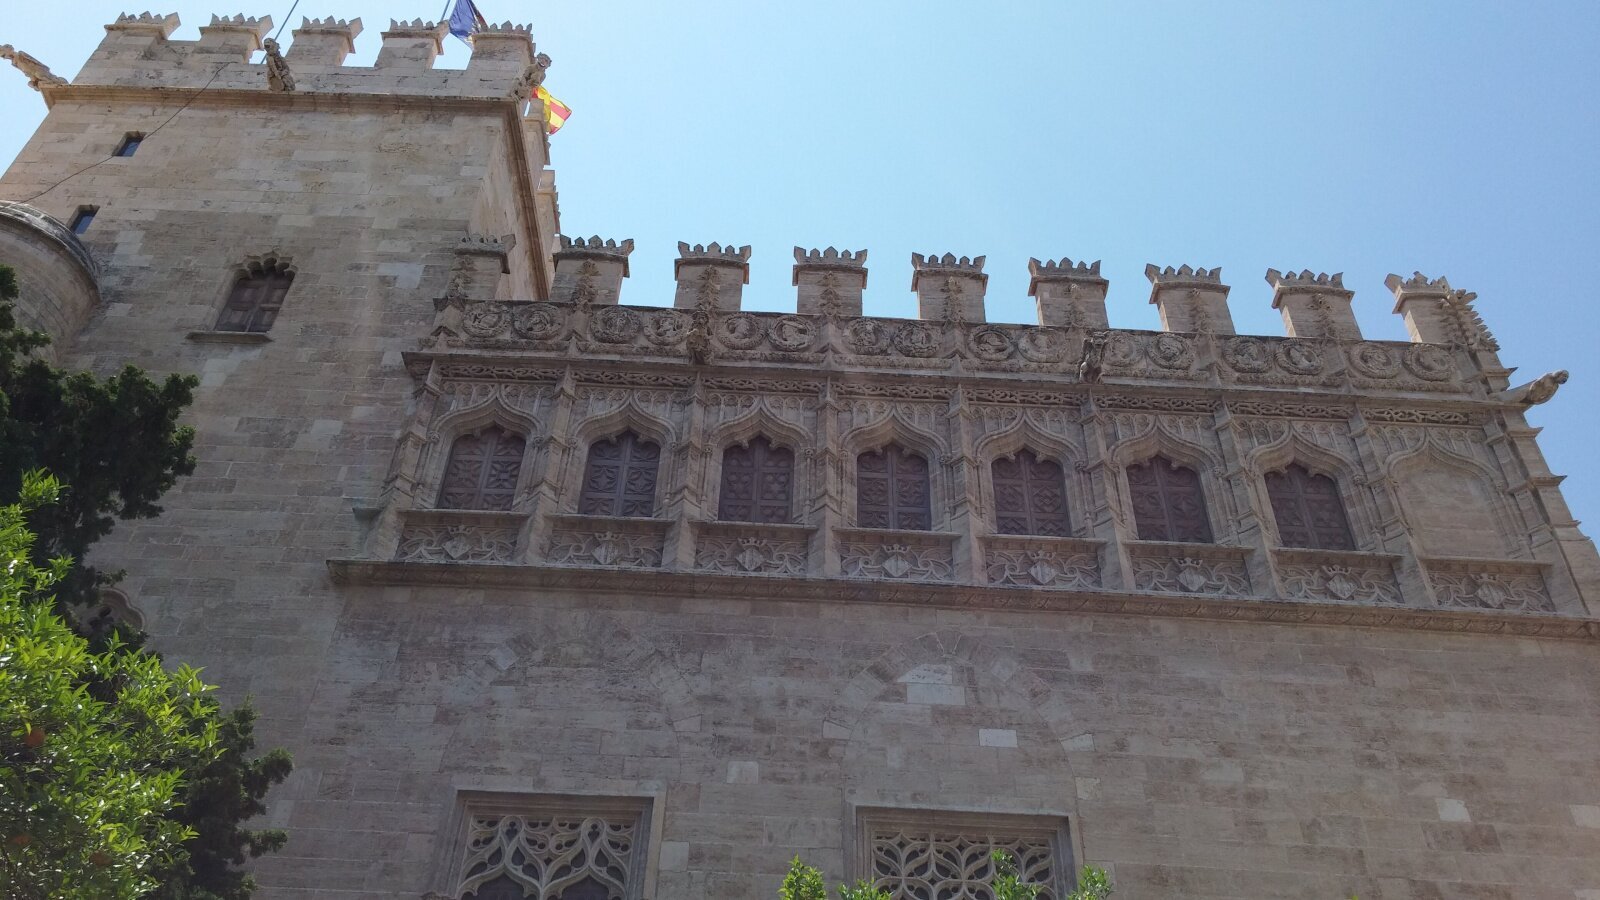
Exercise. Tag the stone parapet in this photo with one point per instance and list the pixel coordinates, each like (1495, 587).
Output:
(949, 287)
(590, 270)
(411, 45)
(710, 275)
(1314, 305)
(238, 36)
(1069, 294)
(324, 42)
(1190, 299)
(829, 282)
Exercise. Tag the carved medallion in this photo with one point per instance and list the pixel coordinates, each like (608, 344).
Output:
(740, 331)
(1375, 360)
(1120, 350)
(915, 339)
(1042, 345)
(483, 320)
(1430, 362)
(990, 344)
(792, 333)
(1247, 354)
(1171, 351)
(1300, 357)
(536, 322)
(614, 325)
(666, 328)
(867, 337)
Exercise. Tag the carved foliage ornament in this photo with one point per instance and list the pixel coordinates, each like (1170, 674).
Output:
(548, 857)
(750, 556)
(605, 548)
(1501, 591)
(459, 543)
(943, 865)
(1339, 583)
(1192, 575)
(873, 559)
(1043, 567)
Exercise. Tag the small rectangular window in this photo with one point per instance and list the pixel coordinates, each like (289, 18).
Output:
(130, 143)
(82, 218)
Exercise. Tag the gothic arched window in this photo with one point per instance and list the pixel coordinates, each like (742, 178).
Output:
(503, 888)
(256, 297)
(892, 490)
(757, 483)
(620, 478)
(1308, 510)
(1168, 502)
(482, 471)
(1030, 496)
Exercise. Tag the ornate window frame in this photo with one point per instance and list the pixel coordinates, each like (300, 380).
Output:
(1359, 511)
(608, 426)
(941, 487)
(252, 267)
(1214, 486)
(1052, 829)
(714, 487)
(447, 429)
(641, 810)
(1063, 466)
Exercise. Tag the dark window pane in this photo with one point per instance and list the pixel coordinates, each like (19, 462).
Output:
(129, 145)
(81, 221)
(501, 888)
(620, 477)
(1168, 502)
(757, 483)
(1030, 496)
(256, 297)
(1308, 510)
(482, 470)
(892, 490)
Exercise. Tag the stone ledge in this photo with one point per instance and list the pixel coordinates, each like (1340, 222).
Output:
(642, 586)
(229, 337)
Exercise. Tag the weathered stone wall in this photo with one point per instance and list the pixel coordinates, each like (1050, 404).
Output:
(56, 278)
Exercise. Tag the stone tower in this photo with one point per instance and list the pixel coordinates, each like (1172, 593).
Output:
(557, 596)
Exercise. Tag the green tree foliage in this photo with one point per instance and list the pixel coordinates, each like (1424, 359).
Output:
(116, 446)
(93, 745)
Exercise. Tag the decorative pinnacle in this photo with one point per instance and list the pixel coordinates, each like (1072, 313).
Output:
(401, 26)
(1182, 274)
(166, 23)
(1305, 279)
(1418, 283)
(594, 246)
(830, 257)
(1064, 268)
(714, 252)
(947, 261)
(331, 25)
(241, 21)
(508, 28)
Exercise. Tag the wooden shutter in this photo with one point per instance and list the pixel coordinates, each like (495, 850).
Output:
(482, 470)
(620, 479)
(1308, 510)
(255, 300)
(1168, 502)
(892, 490)
(1030, 496)
(757, 483)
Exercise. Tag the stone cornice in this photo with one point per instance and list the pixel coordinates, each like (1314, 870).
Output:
(647, 584)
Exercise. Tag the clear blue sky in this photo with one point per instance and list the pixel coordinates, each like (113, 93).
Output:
(1457, 138)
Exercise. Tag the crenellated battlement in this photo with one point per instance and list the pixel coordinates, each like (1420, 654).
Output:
(830, 257)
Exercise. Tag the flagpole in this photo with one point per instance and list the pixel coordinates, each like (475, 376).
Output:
(444, 13)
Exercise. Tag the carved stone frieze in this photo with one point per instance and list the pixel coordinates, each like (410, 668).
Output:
(903, 555)
(1189, 568)
(1430, 362)
(441, 536)
(743, 548)
(1327, 576)
(606, 541)
(1501, 585)
(1028, 561)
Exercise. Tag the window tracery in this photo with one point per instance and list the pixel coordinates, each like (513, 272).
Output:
(482, 470)
(550, 858)
(946, 864)
(620, 477)
(1169, 503)
(757, 483)
(1308, 510)
(1030, 496)
(892, 490)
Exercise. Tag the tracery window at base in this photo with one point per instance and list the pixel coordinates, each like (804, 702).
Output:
(550, 858)
(945, 864)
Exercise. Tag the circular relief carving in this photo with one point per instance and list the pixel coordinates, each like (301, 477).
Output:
(536, 322)
(1171, 351)
(740, 331)
(867, 337)
(614, 325)
(990, 343)
(1042, 346)
(1429, 362)
(792, 333)
(1247, 354)
(1300, 357)
(483, 320)
(913, 339)
(1375, 361)
(1120, 350)
(666, 328)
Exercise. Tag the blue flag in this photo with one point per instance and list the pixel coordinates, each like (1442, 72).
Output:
(465, 20)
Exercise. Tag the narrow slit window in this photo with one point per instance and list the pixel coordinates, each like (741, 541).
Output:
(83, 218)
(130, 144)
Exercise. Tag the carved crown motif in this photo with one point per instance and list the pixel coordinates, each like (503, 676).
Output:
(948, 261)
(329, 25)
(594, 246)
(714, 252)
(1305, 279)
(1064, 268)
(829, 257)
(241, 21)
(507, 28)
(1418, 283)
(1182, 275)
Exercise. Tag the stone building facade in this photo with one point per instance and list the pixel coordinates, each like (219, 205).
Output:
(560, 597)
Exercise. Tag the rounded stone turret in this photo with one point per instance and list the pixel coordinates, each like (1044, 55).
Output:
(57, 278)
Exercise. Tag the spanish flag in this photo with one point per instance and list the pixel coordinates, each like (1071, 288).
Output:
(555, 112)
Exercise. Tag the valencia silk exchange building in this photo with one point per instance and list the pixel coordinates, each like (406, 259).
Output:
(555, 596)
